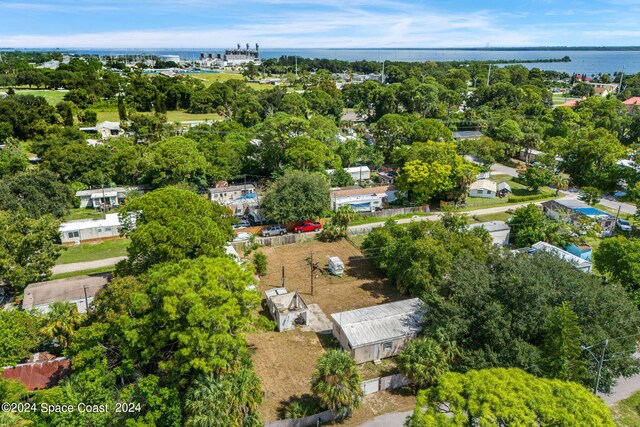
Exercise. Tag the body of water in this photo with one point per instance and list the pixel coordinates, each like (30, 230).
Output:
(582, 61)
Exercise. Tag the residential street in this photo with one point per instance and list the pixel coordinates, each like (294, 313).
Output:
(88, 265)
(393, 419)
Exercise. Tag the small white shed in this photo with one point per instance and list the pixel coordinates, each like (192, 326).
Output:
(287, 308)
(336, 266)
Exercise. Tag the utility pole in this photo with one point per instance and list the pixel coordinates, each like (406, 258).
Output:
(599, 362)
(86, 300)
(283, 275)
(296, 66)
(618, 213)
(489, 75)
(311, 263)
(382, 76)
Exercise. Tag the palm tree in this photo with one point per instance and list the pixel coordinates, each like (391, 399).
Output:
(62, 321)
(336, 381)
(560, 182)
(424, 361)
(229, 400)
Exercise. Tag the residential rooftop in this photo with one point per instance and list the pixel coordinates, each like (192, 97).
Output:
(380, 323)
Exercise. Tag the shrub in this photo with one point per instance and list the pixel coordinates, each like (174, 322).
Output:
(260, 263)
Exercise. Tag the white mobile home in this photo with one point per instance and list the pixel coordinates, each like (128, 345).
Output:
(105, 198)
(85, 230)
(576, 261)
(358, 173)
(377, 332)
(363, 199)
(498, 230)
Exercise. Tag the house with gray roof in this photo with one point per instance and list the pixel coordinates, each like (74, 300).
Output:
(374, 333)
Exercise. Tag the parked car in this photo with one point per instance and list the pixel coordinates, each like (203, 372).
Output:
(242, 236)
(305, 227)
(274, 230)
(242, 224)
(623, 225)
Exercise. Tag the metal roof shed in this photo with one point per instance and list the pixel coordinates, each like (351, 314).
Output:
(373, 333)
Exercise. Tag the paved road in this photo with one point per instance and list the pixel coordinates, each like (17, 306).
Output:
(504, 170)
(611, 203)
(623, 389)
(393, 419)
(88, 265)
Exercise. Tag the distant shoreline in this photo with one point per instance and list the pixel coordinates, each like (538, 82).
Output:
(470, 49)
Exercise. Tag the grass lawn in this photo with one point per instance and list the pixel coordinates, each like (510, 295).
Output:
(209, 78)
(627, 412)
(172, 116)
(83, 272)
(561, 98)
(83, 213)
(93, 251)
(498, 216)
(517, 189)
(53, 97)
(373, 219)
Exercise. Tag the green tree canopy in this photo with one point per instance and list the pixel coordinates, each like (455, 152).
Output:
(336, 381)
(19, 336)
(27, 249)
(37, 192)
(297, 196)
(170, 224)
(172, 161)
(423, 361)
(507, 397)
(619, 259)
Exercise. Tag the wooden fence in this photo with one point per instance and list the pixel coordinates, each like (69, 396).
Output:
(385, 213)
(311, 420)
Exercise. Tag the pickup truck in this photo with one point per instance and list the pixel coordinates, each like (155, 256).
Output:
(307, 226)
(274, 230)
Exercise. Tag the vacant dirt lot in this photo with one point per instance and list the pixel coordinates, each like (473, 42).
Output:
(360, 286)
(285, 361)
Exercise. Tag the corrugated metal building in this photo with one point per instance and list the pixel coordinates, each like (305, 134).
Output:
(373, 333)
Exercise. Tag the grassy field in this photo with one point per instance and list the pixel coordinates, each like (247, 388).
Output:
(561, 98)
(172, 116)
(93, 251)
(373, 220)
(83, 213)
(53, 97)
(209, 78)
(83, 273)
(627, 412)
(498, 216)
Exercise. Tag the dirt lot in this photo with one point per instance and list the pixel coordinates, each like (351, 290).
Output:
(285, 361)
(360, 286)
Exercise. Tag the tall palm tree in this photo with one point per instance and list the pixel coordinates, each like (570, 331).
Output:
(336, 381)
(560, 182)
(62, 321)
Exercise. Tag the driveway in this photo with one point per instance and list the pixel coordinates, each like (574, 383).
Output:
(88, 265)
(624, 388)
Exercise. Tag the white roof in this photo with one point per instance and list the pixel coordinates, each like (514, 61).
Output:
(336, 261)
(491, 226)
(562, 254)
(379, 323)
(483, 184)
(108, 125)
(110, 220)
(270, 293)
(105, 194)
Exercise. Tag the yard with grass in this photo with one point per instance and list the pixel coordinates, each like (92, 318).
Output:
(373, 219)
(83, 272)
(83, 213)
(172, 116)
(561, 98)
(472, 203)
(53, 97)
(627, 412)
(209, 78)
(93, 251)
(285, 360)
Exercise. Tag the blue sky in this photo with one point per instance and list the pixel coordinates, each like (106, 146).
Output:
(317, 23)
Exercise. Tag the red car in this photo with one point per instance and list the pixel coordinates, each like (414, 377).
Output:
(307, 226)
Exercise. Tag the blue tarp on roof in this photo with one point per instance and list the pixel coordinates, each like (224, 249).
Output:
(591, 211)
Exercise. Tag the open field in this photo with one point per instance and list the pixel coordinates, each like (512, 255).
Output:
(93, 251)
(209, 78)
(172, 116)
(285, 361)
(53, 97)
